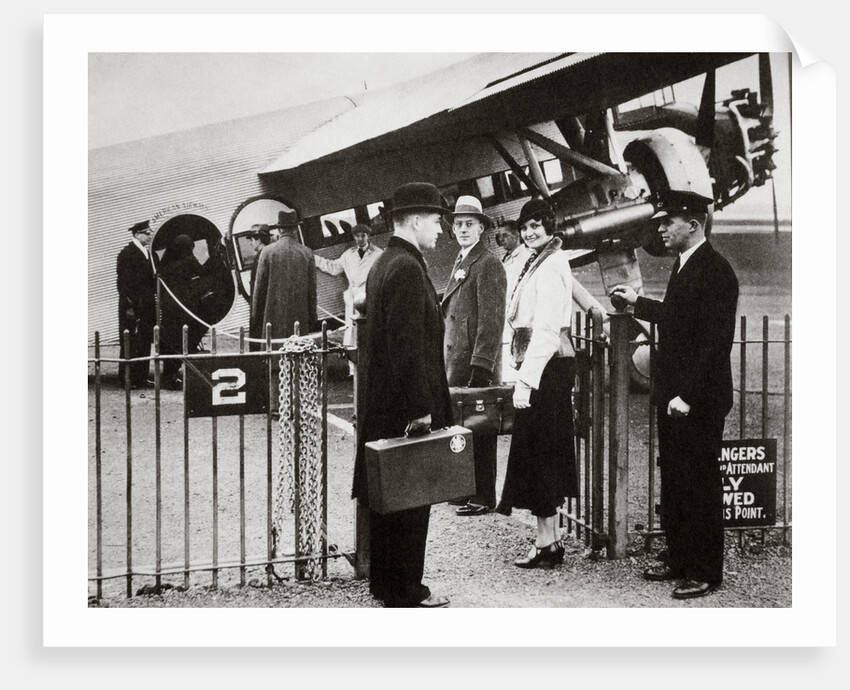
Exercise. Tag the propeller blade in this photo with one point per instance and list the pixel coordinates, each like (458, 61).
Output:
(705, 119)
(765, 85)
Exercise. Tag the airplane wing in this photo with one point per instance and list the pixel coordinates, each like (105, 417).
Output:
(438, 127)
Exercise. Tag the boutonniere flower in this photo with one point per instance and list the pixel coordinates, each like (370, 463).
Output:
(460, 274)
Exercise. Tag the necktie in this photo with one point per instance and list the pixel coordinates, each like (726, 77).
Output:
(457, 264)
(361, 252)
(676, 266)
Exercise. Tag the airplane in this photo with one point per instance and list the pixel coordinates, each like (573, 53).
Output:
(568, 127)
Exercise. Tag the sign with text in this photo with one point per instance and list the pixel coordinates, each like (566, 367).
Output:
(748, 468)
(230, 385)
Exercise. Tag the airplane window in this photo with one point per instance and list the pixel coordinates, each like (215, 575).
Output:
(346, 226)
(486, 190)
(329, 229)
(552, 171)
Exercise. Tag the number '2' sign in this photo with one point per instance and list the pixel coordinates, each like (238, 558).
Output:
(230, 385)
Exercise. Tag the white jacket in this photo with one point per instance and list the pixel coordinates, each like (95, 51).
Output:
(543, 302)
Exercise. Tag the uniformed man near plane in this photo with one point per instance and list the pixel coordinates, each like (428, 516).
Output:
(355, 262)
(404, 385)
(692, 389)
(474, 309)
(136, 285)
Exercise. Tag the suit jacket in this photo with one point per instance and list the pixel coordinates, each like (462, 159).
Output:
(284, 290)
(474, 309)
(400, 354)
(696, 327)
(136, 285)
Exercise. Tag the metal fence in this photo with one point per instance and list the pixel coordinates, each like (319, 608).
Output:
(244, 502)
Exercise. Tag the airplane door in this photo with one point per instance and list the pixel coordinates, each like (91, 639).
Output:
(256, 210)
(215, 290)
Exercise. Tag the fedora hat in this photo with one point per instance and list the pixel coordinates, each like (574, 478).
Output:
(673, 202)
(287, 220)
(470, 206)
(418, 196)
(261, 232)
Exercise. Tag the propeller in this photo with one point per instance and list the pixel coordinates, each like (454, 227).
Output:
(705, 118)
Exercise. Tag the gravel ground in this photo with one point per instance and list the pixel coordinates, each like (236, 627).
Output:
(469, 559)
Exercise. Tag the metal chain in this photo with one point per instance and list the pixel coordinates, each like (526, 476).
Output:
(308, 438)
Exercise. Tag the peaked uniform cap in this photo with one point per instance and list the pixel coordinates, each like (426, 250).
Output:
(140, 227)
(672, 201)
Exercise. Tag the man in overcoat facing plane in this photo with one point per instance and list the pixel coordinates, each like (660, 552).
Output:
(400, 362)
(692, 389)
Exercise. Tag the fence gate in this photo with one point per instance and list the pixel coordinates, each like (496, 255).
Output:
(247, 493)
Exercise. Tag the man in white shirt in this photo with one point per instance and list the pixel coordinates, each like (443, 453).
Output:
(516, 254)
(355, 262)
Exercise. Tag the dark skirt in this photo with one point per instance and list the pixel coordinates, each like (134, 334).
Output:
(542, 468)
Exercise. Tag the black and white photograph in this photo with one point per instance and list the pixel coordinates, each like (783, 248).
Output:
(503, 332)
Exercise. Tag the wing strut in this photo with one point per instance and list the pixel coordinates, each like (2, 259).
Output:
(577, 160)
(534, 168)
(515, 167)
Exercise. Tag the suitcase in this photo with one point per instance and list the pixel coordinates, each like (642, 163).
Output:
(410, 472)
(488, 411)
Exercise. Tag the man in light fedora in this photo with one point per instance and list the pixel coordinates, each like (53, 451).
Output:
(285, 286)
(474, 309)
(403, 386)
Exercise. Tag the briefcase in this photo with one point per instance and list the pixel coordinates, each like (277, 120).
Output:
(486, 411)
(410, 472)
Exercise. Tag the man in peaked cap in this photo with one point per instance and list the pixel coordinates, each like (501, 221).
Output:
(474, 309)
(285, 287)
(403, 386)
(136, 283)
(692, 391)
(355, 262)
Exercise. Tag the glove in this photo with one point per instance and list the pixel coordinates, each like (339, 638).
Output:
(522, 395)
(478, 378)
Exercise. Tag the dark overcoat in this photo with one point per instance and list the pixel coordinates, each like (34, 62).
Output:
(401, 370)
(696, 327)
(474, 309)
(136, 285)
(284, 290)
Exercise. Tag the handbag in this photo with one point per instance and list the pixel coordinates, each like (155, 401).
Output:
(414, 471)
(485, 411)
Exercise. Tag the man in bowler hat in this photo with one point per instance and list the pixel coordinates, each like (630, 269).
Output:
(404, 390)
(692, 391)
(474, 309)
(136, 283)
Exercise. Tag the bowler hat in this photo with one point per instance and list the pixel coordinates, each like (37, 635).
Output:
(672, 202)
(535, 207)
(418, 196)
(470, 206)
(361, 227)
(287, 220)
(140, 227)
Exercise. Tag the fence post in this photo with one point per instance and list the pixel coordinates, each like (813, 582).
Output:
(618, 457)
(362, 551)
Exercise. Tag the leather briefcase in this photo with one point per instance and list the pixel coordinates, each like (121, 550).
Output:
(414, 471)
(484, 411)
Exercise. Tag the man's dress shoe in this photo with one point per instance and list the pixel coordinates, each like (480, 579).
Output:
(659, 573)
(689, 589)
(433, 602)
(472, 509)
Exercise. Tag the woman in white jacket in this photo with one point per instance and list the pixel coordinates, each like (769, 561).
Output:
(542, 467)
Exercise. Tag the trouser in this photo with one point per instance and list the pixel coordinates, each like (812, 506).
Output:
(692, 494)
(141, 339)
(397, 556)
(484, 455)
